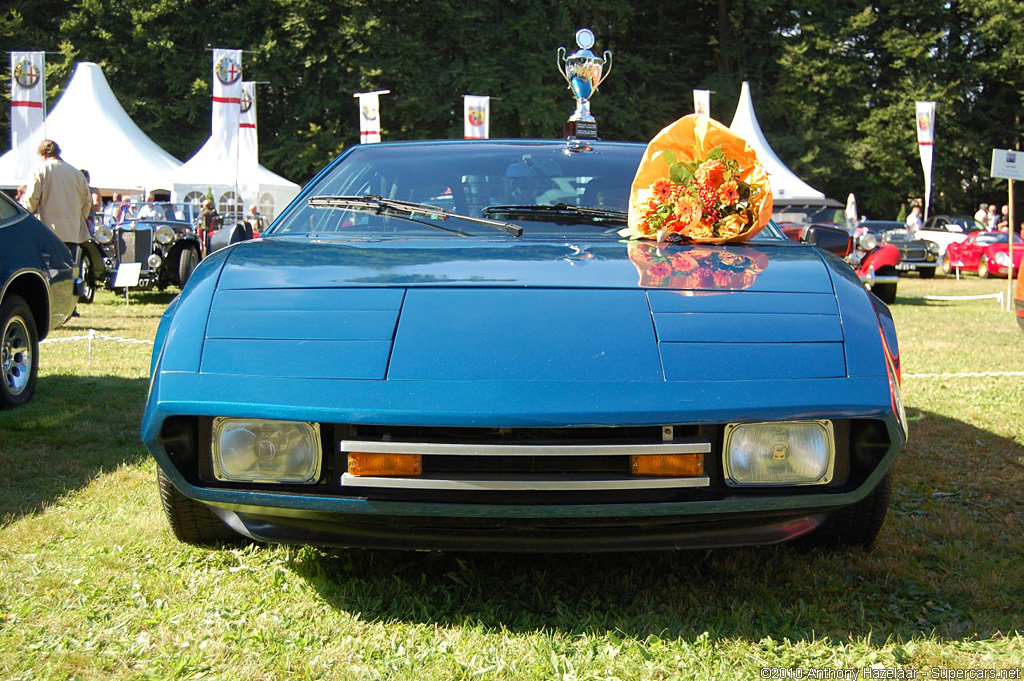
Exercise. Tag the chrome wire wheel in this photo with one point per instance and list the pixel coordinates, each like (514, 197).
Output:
(16, 355)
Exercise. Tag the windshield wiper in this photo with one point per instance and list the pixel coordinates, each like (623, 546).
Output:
(378, 205)
(559, 210)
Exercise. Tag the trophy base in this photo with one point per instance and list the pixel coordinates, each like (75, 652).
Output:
(581, 129)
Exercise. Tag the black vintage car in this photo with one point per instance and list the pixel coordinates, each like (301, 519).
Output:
(37, 278)
(916, 255)
(165, 241)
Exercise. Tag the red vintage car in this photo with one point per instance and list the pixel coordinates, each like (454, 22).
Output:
(986, 253)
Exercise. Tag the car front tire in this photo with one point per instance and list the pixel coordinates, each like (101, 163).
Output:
(856, 525)
(191, 522)
(186, 265)
(983, 270)
(19, 348)
(87, 292)
(927, 272)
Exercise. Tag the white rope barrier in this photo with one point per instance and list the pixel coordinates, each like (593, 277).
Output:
(95, 336)
(998, 296)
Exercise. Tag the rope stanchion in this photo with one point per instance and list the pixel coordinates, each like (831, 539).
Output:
(95, 336)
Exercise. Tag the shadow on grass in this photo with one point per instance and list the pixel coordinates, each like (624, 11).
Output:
(947, 564)
(74, 428)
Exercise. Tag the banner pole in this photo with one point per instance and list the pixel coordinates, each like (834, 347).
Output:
(1009, 240)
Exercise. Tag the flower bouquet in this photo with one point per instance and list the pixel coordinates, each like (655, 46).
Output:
(696, 268)
(698, 182)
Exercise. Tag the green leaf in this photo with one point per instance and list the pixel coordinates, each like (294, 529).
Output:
(669, 157)
(680, 173)
(716, 154)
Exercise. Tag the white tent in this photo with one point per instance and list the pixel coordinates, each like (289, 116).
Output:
(96, 134)
(233, 187)
(787, 188)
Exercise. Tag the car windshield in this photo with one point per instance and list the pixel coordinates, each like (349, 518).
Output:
(544, 187)
(882, 226)
(151, 211)
(989, 238)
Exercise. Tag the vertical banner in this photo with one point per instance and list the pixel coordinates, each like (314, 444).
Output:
(28, 107)
(227, 100)
(926, 143)
(248, 141)
(477, 119)
(702, 102)
(369, 115)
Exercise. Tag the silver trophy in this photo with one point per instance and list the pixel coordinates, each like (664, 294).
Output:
(583, 71)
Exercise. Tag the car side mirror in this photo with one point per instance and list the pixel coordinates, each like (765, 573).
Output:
(831, 239)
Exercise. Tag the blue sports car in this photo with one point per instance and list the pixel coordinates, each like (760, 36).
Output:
(448, 345)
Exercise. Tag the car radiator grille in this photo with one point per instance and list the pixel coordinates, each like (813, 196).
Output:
(915, 254)
(134, 246)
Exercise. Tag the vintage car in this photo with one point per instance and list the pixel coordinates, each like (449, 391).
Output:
(987, 253)
(916, 254)
(948, 229)
(164, 241)
(447, 345)
(875, 262)
(37, 279)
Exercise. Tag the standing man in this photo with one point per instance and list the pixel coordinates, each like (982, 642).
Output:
(59, 196)
(914, 221)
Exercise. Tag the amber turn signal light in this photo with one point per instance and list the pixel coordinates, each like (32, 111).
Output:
(365, 463)
(676, 465)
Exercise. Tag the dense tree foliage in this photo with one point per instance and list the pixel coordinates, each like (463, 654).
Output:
(834, 82)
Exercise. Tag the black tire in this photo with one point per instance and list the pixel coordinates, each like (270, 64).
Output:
(191, 522)
(927, 272)
(87, 292)
(856, 525)
(886, 292)
(186, 265)
(983, 271)
(19, 350)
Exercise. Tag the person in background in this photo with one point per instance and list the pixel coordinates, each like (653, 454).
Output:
(982, 215)
(59, 196)
(20, 192)
(993, 218)
(914, 221)
(258, 222)
(1004, 219)
(149, 211)
(97, 203)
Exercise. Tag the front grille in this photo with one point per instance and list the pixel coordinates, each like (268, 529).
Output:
(134, 245)
(915, 254)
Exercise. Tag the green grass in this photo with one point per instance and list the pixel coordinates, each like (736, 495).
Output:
(95, 587)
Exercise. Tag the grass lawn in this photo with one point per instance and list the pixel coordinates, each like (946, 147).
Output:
(94, 586)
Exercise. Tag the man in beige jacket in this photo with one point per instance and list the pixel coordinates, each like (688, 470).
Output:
(59, 196)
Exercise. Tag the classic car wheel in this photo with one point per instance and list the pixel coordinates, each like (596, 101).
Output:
(857, 525)
(927, 272)
(19, 346)
(886, 292)
(192, 522)
(947, 264)
(186, 265)
(983, 270)
(87, 292)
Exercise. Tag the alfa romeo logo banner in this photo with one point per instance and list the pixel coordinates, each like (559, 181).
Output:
(227, 99)
(248, 143)
(926, 143)
(477, 117)
(369, 115)
(28, 100)
(702, 102)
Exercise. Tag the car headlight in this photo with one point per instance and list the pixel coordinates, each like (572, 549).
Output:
(164, 234)
(779, 453)
(1002, 258)
(154, 261)
(867, 242)
(103, 234)
(933, 247)
(258, 450)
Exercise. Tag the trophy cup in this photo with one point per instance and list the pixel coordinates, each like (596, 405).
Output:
(582, 70)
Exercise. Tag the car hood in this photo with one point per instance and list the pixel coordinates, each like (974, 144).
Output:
(528, 311)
